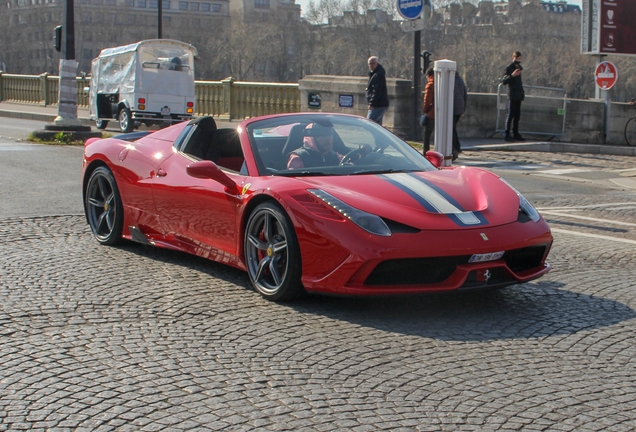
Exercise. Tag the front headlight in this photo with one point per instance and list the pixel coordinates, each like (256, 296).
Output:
(525, 208)
(528, 209)
(367, 221)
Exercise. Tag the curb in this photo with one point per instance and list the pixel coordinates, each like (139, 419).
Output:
(556, 148)
(48, 118)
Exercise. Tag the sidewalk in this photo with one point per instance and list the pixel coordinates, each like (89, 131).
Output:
(49, 113)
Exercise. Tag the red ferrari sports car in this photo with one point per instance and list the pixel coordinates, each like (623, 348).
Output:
(314, 202)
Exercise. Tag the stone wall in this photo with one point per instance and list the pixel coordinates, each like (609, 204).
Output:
(334, 91)
(584, 119)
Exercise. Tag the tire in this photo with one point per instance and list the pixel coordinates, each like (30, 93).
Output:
(272, 254)
(630, 131)
(126, 123)
(103, 207)
(101, 124)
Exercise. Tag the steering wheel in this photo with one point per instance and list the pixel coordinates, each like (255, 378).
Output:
(356, 154)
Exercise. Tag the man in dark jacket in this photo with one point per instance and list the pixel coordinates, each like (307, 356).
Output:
(460, 95)
(317, 149)
(377, 96)
(512, 78)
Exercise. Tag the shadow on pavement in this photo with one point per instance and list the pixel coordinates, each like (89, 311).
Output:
(532, 310)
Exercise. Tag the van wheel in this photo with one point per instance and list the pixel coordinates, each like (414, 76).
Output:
(126, 124)
(101, 124)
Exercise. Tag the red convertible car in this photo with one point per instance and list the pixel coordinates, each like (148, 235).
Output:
(314, 202)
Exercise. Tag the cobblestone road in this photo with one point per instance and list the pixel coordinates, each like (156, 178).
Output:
(135, 338)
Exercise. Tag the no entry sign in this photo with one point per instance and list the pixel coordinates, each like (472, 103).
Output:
(605, 75)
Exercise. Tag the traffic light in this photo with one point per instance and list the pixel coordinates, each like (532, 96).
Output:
(426, 60)
(57, 37)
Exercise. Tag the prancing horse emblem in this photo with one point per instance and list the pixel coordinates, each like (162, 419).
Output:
(487, 275)
(484, 236)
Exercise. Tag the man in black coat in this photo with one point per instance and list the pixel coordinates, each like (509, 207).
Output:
(377, 95)
(512, 78)
(460, 97)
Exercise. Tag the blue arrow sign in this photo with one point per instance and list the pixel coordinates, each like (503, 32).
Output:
(410, 9)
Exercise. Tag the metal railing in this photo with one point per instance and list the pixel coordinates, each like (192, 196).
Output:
(542, 111)
(226, 99)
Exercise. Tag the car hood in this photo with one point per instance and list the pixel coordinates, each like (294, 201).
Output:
(455, 198)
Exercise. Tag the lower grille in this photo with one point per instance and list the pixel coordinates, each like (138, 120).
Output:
(519, 260)
(414, 271)
(418, 271)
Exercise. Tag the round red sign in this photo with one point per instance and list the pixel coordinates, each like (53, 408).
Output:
(605, 75)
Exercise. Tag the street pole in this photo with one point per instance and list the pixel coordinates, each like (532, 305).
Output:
(159, 18)
(66, 122)
(417, 44)
(67, 96)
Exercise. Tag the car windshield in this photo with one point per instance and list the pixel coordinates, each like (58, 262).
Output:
(329, 144)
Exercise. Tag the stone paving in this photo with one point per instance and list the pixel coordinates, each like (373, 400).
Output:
(134, 338)
(555, 160)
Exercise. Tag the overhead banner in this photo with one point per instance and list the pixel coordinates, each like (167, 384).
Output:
(607, 27)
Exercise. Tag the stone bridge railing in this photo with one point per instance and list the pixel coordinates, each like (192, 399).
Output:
(226, 99)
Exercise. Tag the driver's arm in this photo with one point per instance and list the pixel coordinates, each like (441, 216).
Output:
(295, 162)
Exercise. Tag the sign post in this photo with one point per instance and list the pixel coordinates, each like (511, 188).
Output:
(605, 77)
(411, 10)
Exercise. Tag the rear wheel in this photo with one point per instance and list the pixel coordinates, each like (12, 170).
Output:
(103, 207)
(630, 131)
(101, 124)
(272, 254)
(126, 123)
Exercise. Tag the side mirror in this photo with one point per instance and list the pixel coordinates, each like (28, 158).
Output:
(436, 158)
(209, 170)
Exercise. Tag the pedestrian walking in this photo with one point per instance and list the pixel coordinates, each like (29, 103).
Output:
(460, 96)
(516, 94)
(428, 108)
(377, 95)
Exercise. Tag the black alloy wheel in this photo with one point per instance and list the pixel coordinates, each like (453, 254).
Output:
(103, 206)
(272, 254)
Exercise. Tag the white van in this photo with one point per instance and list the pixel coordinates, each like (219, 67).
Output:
(149, 82)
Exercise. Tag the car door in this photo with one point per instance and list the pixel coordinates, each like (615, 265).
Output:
(198, 211)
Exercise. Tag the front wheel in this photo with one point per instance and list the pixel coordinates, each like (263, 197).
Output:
(126, 123)
(101, 124)
(103, 206)
(630, 131)
(272, 254)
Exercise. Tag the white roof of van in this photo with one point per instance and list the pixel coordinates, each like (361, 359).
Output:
(134, 46)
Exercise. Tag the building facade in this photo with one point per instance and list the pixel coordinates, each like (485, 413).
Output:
(26, 26)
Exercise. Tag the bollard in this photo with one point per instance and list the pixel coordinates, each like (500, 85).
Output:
(444, 86)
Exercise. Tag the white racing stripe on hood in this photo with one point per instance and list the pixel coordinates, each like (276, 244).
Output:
(434, 198)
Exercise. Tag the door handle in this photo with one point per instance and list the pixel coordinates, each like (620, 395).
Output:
(161, 173)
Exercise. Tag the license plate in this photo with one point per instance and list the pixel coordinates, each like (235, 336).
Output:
(165, 111)
(486, 257)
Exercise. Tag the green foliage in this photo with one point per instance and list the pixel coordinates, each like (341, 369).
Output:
(60, 138)
(63, 138)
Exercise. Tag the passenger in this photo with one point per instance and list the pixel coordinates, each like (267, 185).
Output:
(317, 149)
(175, 64)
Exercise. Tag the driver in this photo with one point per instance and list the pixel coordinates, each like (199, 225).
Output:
(317, 149)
